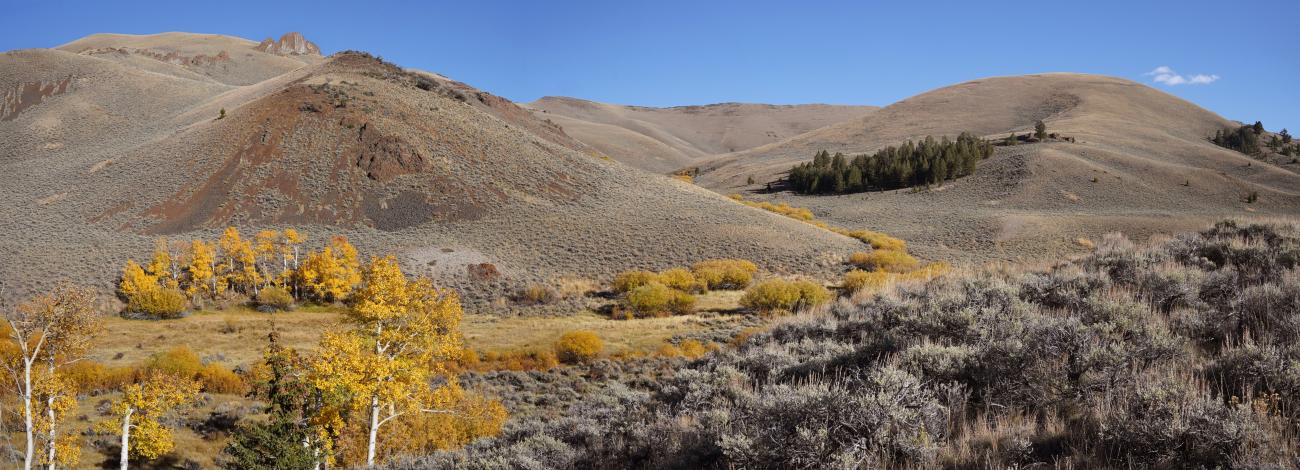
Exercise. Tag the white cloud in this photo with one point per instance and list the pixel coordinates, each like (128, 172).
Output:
(1166, 75)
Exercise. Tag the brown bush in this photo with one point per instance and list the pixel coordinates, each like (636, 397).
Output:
(539, 294)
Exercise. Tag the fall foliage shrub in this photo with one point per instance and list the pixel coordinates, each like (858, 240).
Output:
(516, 360)
(157, 302)
(893, 261)
(728, 274)
(90, 376)
(218, 379)
(184, 363)
(625, 281)
(878, 241)
(578, 346)
(779, 295)
(275, 298)
(681, 279)
(658, 300)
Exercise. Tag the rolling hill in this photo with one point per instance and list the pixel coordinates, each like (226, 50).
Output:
(666, 139)
(1140, 163)
(114, 149)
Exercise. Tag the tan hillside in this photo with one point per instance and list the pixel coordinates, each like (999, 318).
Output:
(223, 59)
(666, 139)
(1141, 164)
(442, 174)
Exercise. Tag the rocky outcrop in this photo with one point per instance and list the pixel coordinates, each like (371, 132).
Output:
(289, 44)
(170, 57)
(26, 95)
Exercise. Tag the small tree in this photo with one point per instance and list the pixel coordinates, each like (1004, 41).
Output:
(222, 114)
(404, 336)
(1258, 128)
(42, 336)
(1286, 136)
(1040, 130)
(136, 416)
(284, 441)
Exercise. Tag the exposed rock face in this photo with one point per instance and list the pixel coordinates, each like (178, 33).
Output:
(26, 95)
(171, 57)
(290, 44)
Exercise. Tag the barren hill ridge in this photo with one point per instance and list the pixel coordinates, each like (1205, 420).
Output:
(666, 139)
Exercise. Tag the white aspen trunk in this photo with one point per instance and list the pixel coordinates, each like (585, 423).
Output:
(27, 415)
(374, 431)
(126, 440)
(53, 434)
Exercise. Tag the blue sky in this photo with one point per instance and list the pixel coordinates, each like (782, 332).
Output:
(664, 53)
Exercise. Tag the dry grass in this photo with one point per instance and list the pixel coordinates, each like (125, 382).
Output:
(236, 337)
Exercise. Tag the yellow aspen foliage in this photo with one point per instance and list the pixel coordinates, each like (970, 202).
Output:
(160, 266)
(203, 270)
(238, 262)
(267, 249)
(136, 416)
(135, 281)
(404, 333)
(55, 401)
(39, 339)
(292, 240)
(333, 272)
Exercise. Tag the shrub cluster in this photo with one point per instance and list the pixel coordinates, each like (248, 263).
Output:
(780, 295)
(911, 164)
(671, 291)
(1178, 356)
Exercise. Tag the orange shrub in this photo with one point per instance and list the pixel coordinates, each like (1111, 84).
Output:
(89, 376)
(218, 379)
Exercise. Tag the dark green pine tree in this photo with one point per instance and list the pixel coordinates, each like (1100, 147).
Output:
(1258, 127)
(1040, 130)
(278, 442)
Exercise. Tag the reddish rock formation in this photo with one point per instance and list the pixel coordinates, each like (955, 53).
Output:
(289, 44)
(26, 95)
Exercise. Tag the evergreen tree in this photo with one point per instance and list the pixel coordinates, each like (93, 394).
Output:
(1258, 127)
(1040, 130)
(1286, 136)
(928, 162)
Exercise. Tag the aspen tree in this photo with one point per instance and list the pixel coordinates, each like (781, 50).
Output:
(404, 333)
(43, 335)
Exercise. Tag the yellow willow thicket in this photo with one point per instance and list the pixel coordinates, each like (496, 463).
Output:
(187, 272)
